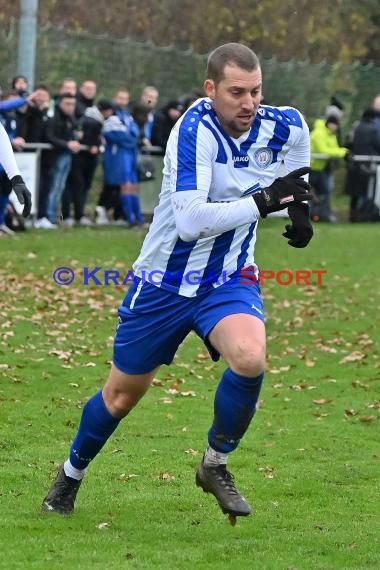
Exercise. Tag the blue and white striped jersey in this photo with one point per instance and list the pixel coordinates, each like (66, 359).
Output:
(201, 156)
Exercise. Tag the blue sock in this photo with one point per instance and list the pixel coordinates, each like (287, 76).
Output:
(234, 408)
(137, 209)
(96, 426)
(3, 207)
(127, 205)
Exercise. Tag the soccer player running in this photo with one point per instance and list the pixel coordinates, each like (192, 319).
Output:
(220, 176)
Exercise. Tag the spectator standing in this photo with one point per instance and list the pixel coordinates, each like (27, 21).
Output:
(120, 165)
(121, 104)
(68, 86)
(33, 126)
(20, 84)
(110, 195)
(60, 133)
(366, 141)
(33, 130)
(17, 125)
(149, 98)
(336, 109)
(84, 163)
(163, 122)
(85, 97)
(323, 141)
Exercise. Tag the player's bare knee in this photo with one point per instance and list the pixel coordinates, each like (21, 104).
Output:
(249, 363)
(119, 402)
(123, 403)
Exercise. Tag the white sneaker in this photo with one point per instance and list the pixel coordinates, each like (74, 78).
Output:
(44, 224)
(67, 222)
(6, 231)
(84, 221)
(101, 216)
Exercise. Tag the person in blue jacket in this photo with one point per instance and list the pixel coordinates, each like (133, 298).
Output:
(120, 165)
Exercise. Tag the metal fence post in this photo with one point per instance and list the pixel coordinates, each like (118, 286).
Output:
(27, 40)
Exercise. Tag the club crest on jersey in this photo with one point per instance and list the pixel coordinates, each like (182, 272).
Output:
(263, 157)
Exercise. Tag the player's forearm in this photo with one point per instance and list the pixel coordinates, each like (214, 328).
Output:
(197, 219)
(7, 158)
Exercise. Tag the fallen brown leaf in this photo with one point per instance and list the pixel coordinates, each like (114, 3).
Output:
(355, 356)
(367, 419)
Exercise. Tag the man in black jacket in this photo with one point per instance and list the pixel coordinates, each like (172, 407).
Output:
(163, 122)
(33, 126)
(84, 163)
(61, 134)
(85, 97)
(82, 168)
(366, 141)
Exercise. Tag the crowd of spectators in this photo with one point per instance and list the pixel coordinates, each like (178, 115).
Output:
(329, 146)
(83, 131)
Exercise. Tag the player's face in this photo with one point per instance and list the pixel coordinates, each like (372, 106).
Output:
(236, 98)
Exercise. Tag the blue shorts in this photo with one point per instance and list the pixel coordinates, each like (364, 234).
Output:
(153, 322)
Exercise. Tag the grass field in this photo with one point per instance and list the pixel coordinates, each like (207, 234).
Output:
(309, 464)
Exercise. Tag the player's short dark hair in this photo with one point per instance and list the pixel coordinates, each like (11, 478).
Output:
(230, 54)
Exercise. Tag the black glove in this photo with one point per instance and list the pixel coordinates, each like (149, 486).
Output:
(284, 191)
(22, 193)
(300, 232)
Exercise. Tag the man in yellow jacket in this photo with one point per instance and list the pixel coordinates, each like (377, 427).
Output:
(324, 142)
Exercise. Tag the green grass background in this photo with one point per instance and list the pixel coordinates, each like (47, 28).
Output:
(309, 465)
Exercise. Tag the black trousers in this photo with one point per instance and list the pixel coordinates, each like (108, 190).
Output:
(78, 184)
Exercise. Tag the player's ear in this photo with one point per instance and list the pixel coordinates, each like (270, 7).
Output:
(209, 88)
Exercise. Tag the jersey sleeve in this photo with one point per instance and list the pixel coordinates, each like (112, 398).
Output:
(192, 155)
(299, 152)
(196, 218)
(7, 158)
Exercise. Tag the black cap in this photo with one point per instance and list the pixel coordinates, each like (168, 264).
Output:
(332, 119)
(105, 105)
(336, 103)
(174, 104)
(369, 114)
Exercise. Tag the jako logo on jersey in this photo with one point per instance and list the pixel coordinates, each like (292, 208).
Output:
(263, 157)
(240, 161)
